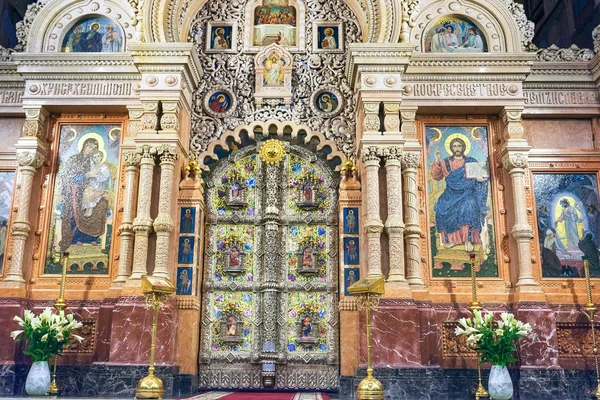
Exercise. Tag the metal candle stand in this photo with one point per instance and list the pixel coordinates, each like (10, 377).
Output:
(591, 309)
(368, 292)
(481, 392)
(156, 290)
(60, 305)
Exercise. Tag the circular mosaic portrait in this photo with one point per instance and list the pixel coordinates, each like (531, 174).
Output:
(219, 103)
(327, 102)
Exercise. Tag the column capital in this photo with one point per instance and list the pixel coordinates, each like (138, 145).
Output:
(146, 154)
(515, 160)
(411, 160)
(370, 155)
(167, 154)
(392, 154)
(132, 159)
(31, 159)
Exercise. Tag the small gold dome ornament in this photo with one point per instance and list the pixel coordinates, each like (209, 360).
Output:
(369, 389)
(272, 152)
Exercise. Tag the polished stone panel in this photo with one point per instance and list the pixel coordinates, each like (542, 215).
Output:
(460, 384)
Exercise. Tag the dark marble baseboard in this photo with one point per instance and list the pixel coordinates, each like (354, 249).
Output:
(106, 381)
(100, 380)
(459, 384)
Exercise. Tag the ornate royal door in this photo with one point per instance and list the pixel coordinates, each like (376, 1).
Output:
(269, 303)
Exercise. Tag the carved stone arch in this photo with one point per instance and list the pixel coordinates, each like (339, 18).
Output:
(53, 21)
(501, 22)
(170, 20)
(271, 127)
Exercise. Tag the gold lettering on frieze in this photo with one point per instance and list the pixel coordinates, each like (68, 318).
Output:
(11, 97)
(463, 90)
(561, 98)
(82, 89)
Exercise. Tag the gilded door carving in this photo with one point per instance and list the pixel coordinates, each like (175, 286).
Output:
(269, 315)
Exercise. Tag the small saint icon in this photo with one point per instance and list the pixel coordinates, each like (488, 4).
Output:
(231, 328)
(306, 328)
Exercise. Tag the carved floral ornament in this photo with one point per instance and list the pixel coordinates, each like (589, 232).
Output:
(573, 53)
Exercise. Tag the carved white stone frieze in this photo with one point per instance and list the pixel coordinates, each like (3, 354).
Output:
(555, 53)
(596, 39)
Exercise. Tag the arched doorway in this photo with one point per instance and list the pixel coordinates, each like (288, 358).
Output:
(270, 283)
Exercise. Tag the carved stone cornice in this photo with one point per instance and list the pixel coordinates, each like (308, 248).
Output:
(183, 64)
(386, 60)
(555, 53)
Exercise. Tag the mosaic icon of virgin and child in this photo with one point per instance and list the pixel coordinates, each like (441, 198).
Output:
(461, 209)
(86, 181)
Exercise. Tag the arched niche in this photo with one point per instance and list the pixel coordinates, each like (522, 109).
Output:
(299, 134)
(58, 17)
(464, 35)
(500, 23)
(293, 36)
(170, 20)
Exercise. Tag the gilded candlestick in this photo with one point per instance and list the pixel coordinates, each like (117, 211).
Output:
(156, 291)
(481, 392)
(60, 305)
(591, 310)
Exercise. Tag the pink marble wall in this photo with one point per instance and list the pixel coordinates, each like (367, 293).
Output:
(10, 130)
(540, 348)
(131, 333)
(559, 133)
(8, 309)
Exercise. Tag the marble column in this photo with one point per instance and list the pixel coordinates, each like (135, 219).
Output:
(132, 170)
(516, 164)
(412, 232)
(31, 153)
(163, 224)
(142, 224)
(373, 224)
(29, 162)
(515, 160)
(394, 225)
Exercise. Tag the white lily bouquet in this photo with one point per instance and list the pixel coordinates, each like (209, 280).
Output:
(495, 341)
(47, 334)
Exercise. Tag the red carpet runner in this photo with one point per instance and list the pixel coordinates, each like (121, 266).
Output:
(260, 396)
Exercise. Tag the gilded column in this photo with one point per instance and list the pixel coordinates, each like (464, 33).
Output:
(29, 162)
(163, 224)
(515, 160)
(132, 170)
(142, 224)
(412, 232)
(394, 225)
(373, 225)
